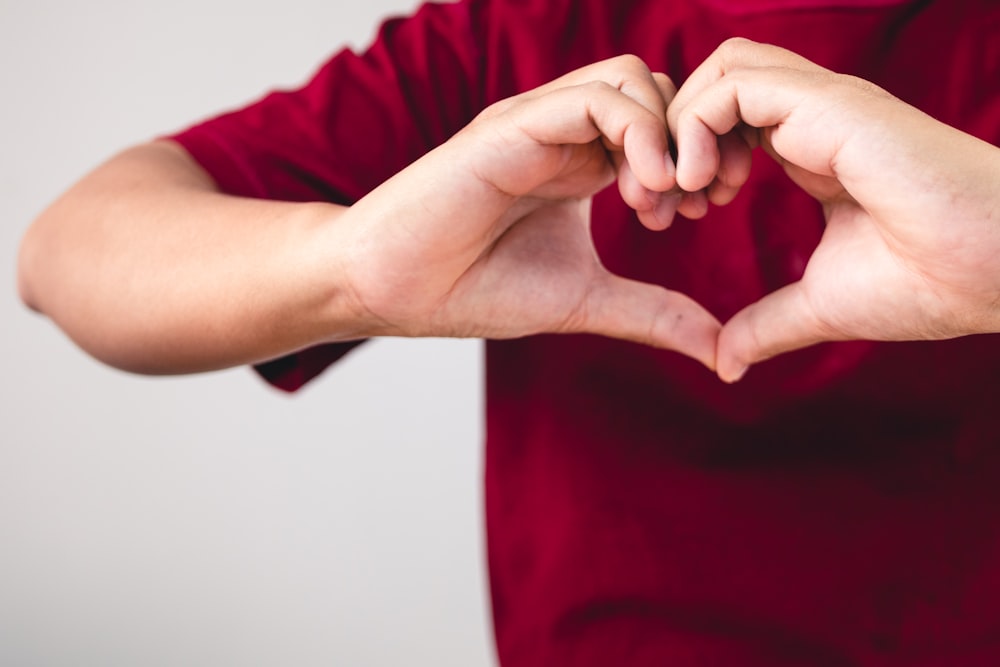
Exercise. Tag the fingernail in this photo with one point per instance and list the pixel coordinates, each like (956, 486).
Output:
(666, 208)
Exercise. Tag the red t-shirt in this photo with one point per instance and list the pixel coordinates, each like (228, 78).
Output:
(839, 506)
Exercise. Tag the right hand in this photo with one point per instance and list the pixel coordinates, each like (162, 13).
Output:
(489, 234)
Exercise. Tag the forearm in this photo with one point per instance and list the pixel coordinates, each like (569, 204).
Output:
(150, 269)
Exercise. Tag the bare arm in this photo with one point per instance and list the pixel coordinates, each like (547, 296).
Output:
(149, 268)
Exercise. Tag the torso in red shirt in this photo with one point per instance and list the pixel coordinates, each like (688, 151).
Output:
(839, 506)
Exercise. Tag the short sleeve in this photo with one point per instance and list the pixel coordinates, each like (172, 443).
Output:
(359, 120)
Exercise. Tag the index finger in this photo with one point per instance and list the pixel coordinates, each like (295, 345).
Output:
(741, 82)
(630, 75)
(627, 73)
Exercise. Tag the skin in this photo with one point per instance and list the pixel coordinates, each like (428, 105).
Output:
(911, 249)
(149, 268)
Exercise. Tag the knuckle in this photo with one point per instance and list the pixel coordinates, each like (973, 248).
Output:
(735, 50)
(663, 80)
(597, 87)
(632, 69)
(630, 61)
(735, 45)
(497, 109)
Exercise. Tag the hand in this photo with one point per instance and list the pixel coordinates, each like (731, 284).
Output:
(912, 244)
(489, 235)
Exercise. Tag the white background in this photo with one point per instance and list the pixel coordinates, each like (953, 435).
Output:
(210, 520)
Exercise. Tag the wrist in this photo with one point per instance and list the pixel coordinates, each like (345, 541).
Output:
(334, 305)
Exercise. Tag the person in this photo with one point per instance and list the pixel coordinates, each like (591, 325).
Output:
(838, 505)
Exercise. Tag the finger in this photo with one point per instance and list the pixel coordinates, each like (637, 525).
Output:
(733, 55)
(581, 114)
(662, 214)
(732, 172)
(667, 88)
(649, 314)
(734, 168)
(780, 322)
(655, 209)
(627, 73)
(787, 106)
(654, 91)
(663, 205)
(742, 82)
(645, 87)
(641, 199)
(693, 205)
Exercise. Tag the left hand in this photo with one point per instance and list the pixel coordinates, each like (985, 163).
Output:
(911, 250)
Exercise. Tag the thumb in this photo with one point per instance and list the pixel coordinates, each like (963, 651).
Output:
(652, 315)
(780, 322)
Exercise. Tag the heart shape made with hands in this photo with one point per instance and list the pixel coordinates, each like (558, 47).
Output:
(507, 251)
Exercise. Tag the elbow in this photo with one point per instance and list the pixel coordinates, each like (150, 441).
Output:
(49, 283)
(63, 287)
(28, 268)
